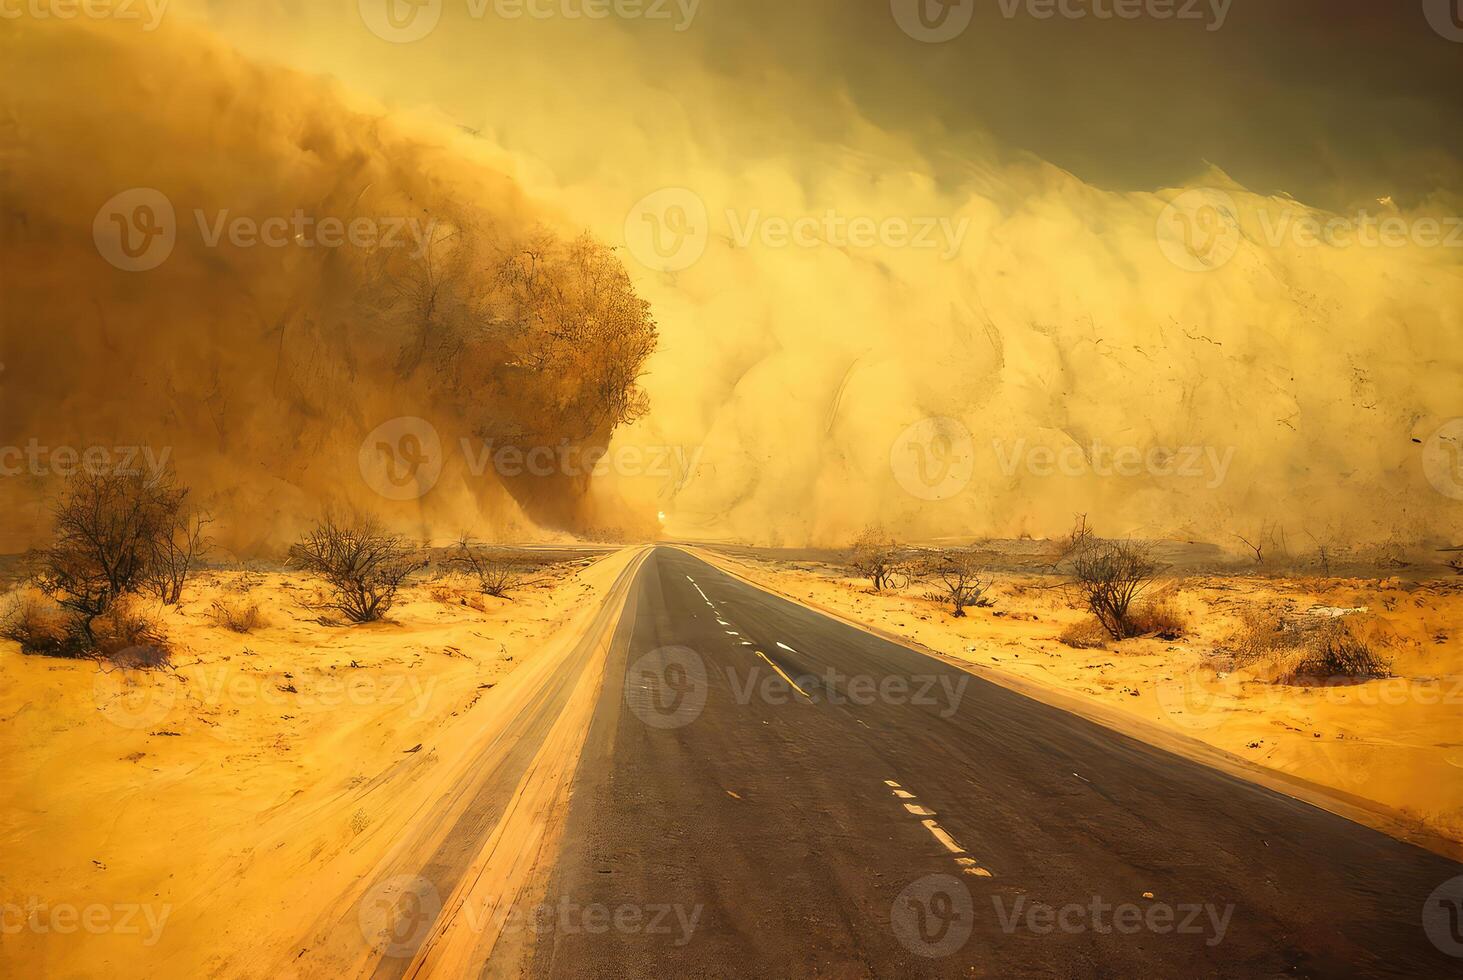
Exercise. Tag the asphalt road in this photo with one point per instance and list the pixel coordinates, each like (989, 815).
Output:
(899, 817)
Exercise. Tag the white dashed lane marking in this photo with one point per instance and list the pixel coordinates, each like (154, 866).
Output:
(967, 863)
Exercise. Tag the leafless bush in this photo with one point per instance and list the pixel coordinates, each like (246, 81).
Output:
(1110, 575)
(362, 564)
(129, 635)
(107, 532)
(1292, 647)
(1330, 548)
(964, 582)
(875, 557)
(1161, 618)
(1267, 545)
(1269, 633)
(1073, 543)
(39, 625)
(173, 552)
(496, 575)
(1087, 634)
(236, 617)
(1456, 565)
(1336, 652)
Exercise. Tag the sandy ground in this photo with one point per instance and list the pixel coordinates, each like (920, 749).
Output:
(153, 822)
(1396, 744)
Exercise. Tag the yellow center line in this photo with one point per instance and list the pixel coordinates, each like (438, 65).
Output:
(783, 675)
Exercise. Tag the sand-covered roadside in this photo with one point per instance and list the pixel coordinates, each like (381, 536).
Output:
(1394, 745)
(160, 822)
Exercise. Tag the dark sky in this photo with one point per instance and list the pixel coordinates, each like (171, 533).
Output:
(1333, 101)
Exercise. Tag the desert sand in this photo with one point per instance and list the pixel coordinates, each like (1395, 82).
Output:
(194, 821)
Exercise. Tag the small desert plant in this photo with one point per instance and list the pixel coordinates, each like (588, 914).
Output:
(1087, 634)
(1110, 575)
(1159, 617)
(1073, 543)
(496, 575)
(39, 626)
(964, 582)
(362, 564)
(875, 557)
(236, 617)
(107, 529)
(1266, 545)
(1265, 633)
(128, 635)
(1334, 651)
(174, 551)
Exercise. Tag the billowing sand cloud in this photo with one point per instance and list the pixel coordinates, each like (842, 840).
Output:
(878, 301)
(293, 300)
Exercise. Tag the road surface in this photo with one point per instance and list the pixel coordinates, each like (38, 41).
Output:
(766, 791)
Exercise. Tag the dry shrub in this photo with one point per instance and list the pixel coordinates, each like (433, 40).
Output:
(107, 530)
(1110, 575)
(1269, 634)
(238, 617)
(1290, 648)
(495, 574)
(456, 590)
(1336, 652)
(130, 636)
(363, 565)
(964, 582)
(39, 625)
(875, 556)
(1088, 634)
(1161, 618)
(246, 581)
